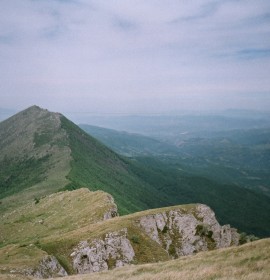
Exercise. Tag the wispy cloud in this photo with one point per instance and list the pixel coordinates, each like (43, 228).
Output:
(115, 55)
(253, 53)
(205, 10)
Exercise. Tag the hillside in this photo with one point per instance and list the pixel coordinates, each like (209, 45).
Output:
(238, 157)
(43, 152)
(250, 261)
(50, 226)
(97, 167)
(34, 160)
(79, 232)
(245, 209)
(199, 175)
(55, 214)
(130, 144)
(182, 126)
(23, 229)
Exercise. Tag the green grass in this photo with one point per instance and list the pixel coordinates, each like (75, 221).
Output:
(146, 250)
(129, 144)
(178, 181)
(25, 229)
(53, 215)
(97, 167)
(244, 209)
(60, 221)
(72, 159)
(18, 174)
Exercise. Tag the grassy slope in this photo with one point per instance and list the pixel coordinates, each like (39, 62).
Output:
(246, 210)
(157, 185)
(60, 221)
(97, 167)
(53, 215)
(247, 262)
(242, 208)
(34, 159)
(62, 229)
(146, 250)
(53, 148)
(130, 144)
(42, 152)
(24, 230)
(235, 157)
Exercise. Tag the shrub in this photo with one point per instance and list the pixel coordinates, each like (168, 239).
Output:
(135, 239)
(36, 200)
(245, 238)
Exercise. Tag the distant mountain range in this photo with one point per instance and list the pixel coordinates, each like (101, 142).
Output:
(239, 157)
(6, 113)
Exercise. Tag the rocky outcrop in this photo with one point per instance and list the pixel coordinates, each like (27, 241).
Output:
(112, 212)
(114, 250)
(182, 232)
(48, 267)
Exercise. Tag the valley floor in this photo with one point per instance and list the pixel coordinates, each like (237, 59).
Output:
(247, 262)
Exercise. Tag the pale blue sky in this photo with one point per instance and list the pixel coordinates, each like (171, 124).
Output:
(134, 56)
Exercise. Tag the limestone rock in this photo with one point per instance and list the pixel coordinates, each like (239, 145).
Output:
(184, 233)
(114, 250)
(112, 212)
(48, 267)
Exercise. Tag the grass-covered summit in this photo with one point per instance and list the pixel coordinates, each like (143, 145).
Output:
(34, 156)
(42, 152)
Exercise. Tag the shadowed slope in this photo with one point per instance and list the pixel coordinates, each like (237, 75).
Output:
(98, 167)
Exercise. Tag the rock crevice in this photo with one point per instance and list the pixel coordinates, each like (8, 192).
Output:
(182, 233)
(114, 250)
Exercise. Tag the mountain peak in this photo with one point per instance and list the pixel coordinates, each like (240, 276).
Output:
(34, 108)
(33, 153)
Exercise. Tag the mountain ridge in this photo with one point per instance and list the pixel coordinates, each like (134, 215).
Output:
(47, 153)
(51, 142)
(52, 226)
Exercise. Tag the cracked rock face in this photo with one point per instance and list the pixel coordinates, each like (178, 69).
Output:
(181, 233)
(114, 250)
(48, 267)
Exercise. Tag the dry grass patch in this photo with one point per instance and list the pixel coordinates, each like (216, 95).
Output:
(247, 262)
(14, 258)
(146, 250)
(53, 215)
(14, 277)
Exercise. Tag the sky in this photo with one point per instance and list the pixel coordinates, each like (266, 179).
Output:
(135, 56)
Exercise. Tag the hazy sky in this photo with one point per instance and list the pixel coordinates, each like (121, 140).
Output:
(134, 56)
